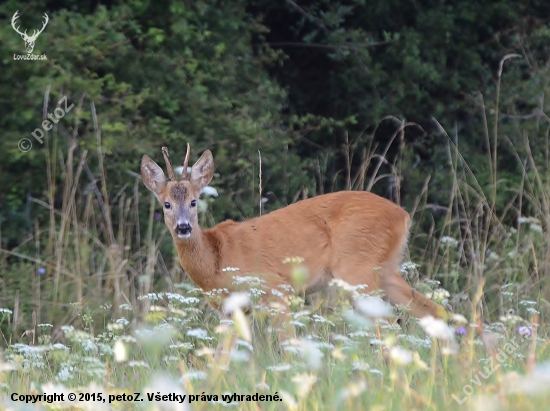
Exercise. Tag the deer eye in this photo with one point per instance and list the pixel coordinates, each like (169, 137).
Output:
(193, 203)
(167, 205)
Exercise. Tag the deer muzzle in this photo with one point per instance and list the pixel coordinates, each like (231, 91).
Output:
(183, 230)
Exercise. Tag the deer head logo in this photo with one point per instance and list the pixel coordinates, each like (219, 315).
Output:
(29, 40)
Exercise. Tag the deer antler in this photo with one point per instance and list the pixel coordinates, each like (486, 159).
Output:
(37, 32)
(185, 163)
(15, 17)
(171, 175)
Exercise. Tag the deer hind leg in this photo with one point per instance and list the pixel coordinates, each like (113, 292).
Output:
(399, 292)
(386, 277)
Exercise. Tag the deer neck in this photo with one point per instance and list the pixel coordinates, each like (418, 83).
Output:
(199, 260)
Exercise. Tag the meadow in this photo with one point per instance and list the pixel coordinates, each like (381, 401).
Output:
(97, 313)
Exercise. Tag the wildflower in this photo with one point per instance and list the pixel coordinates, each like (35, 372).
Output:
(241, 324)
(401, 356)
(199, 333)
(138, 364)
(126, 307)
(360, 366)
(235, 301)
(511, 317)
(230, 269)
(460, 331)
(524, 331)
(320, 319)
(439, 295)
(459, 319)
(437, 328)
(311, 353)
(205, 351)
(408, 266)
(41, 271)
(183, 346)
(209, 191)
(452, 242)
(338, 354)
(119, 349)
(193, 376)
(373, 307)
(527, 302)
(240, 356)
(279, 367)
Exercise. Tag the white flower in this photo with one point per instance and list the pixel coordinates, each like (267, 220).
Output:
(400, 355)
(209, 191)
(241, 325)
(373, 307)
(194, 375)
(437, 328)
(453, 242)
(438, 294)
(408, 266)
(311, 353)
(199, 333)
(119, 349)
(459, 319)
(234, 301)
(279, 367)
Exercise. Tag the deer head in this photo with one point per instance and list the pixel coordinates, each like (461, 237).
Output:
(29, 40)
(178, 198)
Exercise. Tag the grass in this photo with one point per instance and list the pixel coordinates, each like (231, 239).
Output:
(94, 303)
(341, 358)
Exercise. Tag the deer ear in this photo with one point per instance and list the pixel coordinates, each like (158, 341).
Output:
(202, 171)
(152, 176)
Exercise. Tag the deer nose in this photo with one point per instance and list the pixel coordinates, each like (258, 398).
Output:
(183, 229)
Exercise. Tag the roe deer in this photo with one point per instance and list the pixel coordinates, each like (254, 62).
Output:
(355, 236)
